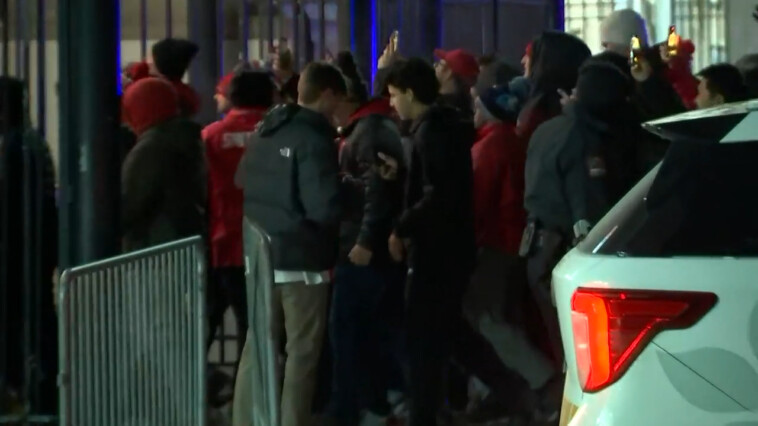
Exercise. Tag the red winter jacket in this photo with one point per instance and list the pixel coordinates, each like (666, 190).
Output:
(498, 158)
(679, 74)
(224, 146)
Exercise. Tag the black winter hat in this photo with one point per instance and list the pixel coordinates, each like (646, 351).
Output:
(501, 102)
(251, 89)
(172, 57)
(601, 85)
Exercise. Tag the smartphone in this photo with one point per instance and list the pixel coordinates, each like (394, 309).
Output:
(673, 41)
(395, 40)
(634, 51)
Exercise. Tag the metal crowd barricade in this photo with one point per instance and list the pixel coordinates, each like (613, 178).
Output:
(262, 335)
(132, 329)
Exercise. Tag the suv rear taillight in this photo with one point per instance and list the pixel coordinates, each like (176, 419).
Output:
(611, 327)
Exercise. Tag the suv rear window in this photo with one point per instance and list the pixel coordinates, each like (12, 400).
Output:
(702, 200)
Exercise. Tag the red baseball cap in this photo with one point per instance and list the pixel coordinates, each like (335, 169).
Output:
(222, 88)
(461, 62)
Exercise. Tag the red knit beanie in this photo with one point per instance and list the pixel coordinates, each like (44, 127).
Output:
(148, 102)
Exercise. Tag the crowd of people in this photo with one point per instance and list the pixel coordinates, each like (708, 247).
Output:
(413, 232)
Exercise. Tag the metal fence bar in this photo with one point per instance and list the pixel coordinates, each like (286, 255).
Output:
(143, 29)
(132, 339)
(262, 337)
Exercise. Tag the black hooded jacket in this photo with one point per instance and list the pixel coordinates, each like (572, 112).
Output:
(290, 177)
(438, 215)
(578, 164)
(26, 164)
(654, 98)
(164, 186)
(371, 203)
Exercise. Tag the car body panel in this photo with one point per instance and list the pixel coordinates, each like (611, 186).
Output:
(706, 373)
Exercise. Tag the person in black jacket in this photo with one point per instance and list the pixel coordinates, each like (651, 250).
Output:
(164, 177)
(435, 235)
(22, 147)
(289, 173)
(364, 271)
(577, 167)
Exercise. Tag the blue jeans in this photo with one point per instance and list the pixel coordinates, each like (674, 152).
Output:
(359, 336)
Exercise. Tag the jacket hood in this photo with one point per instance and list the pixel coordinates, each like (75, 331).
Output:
(447, 117)
(179, 132)
(189, 100)
(283, 114)
(379, 106)
(172, 57)
(601, 87)
(148, 102)
(556, 59)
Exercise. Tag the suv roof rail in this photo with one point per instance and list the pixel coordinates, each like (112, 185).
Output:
(730, 123)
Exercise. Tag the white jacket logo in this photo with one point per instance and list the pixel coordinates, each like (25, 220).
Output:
(236, 140)
(285, 152)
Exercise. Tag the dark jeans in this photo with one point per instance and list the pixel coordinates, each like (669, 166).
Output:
(357, 337)
(227, 288)
(548, 251)
(433, 307)
(437, 330)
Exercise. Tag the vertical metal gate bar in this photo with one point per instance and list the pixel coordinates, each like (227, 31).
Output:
(41, 71)
(270, 24)
(28, 254)
(196, 256)
(322, 28)
(143, 29)
(244, 29)
(220, 36)
(25, 30)
(297, 48)
(495, 29)
(169, 19)
(6, 36)
(4, 210)
(19, 21)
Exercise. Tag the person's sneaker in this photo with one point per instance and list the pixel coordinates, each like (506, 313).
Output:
(548, 411)
(498, 410)
(489, 410)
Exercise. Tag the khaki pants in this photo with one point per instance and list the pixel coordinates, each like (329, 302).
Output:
(302, 311)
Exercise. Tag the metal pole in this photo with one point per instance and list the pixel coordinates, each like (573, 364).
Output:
(6, 37)
(143, 29)
(41, 82)
(296, 48)
(322, 28)
(245, 29)
(169, 19)
(89, 120)
(204, 70)
(220, 36)
(270, 25)
(20, 35)
(495, 22)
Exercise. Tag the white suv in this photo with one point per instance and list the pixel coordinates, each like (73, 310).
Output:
(659, 304)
